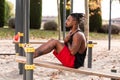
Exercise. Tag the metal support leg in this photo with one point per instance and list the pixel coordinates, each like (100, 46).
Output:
(90, 45)
(29, 64)
(113, 70)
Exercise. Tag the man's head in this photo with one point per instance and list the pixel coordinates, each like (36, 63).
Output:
(74, 19)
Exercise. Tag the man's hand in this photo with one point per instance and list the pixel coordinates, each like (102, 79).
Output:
(67, 38)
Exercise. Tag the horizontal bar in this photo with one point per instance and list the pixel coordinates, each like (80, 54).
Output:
(7, 54)
(82, 70)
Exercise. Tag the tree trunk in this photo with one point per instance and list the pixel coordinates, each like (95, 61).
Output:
(59, 19)
(86, 28)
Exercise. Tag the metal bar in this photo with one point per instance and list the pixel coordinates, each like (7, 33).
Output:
(26, 20)
(90, 54)
(18, 28)
(7, 54)
(29, 73)
(71, 11)
(109, 35)
(40, 42)
(26, 24)
(29, 63)
(114, 71)
(83, 70)
(64, 18)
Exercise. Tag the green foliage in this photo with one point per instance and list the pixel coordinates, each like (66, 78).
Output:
(43, 34)
(11, 23)
(35, 14)
(50, 25)
(8, 11)
(95, 22)
(2, 12)
(6, 33)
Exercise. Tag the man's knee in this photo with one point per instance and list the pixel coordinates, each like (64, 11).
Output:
(51, 39)
(54, 41)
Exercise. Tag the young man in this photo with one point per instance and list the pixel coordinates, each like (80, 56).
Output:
(72, 52)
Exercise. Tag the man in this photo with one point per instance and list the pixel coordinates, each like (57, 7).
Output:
(72, 52)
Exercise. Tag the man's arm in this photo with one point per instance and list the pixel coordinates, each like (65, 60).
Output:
(77, 40)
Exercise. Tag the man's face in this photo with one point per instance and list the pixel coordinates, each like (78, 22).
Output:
(69, 22)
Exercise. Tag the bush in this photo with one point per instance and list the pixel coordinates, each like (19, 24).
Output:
(8, 12)
(114, 29)
(50, 25)
(11, 23)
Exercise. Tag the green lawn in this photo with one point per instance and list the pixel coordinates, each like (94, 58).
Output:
(7, 33)
(101, 36)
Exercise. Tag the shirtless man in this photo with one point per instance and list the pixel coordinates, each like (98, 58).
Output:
(72, 52)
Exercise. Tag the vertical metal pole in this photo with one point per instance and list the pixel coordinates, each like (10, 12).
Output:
(26, 20)
(26, 24)
(17, 16)
(29, 73)
(29, 63)
(109, 35)
(71, 11)
(19, 28)
(64, 18)
(90, 45)
(17, 21)
(23, 31)
(113, 70)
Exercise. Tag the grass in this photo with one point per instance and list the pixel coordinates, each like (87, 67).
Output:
(102, 36)
(7, 33)
(43, 34)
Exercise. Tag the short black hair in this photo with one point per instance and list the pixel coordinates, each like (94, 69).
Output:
(77, 16)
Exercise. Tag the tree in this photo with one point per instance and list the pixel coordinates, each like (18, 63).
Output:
(8, 11)
(95, 21)
(35, 14)
(2, 12)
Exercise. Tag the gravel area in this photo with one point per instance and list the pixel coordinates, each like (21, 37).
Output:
(103, 60)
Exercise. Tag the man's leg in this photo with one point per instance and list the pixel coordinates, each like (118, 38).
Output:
(48, 47)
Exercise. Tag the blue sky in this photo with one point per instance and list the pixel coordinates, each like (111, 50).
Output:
(50, 8)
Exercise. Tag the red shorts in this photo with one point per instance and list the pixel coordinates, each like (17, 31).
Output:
(65, 57)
